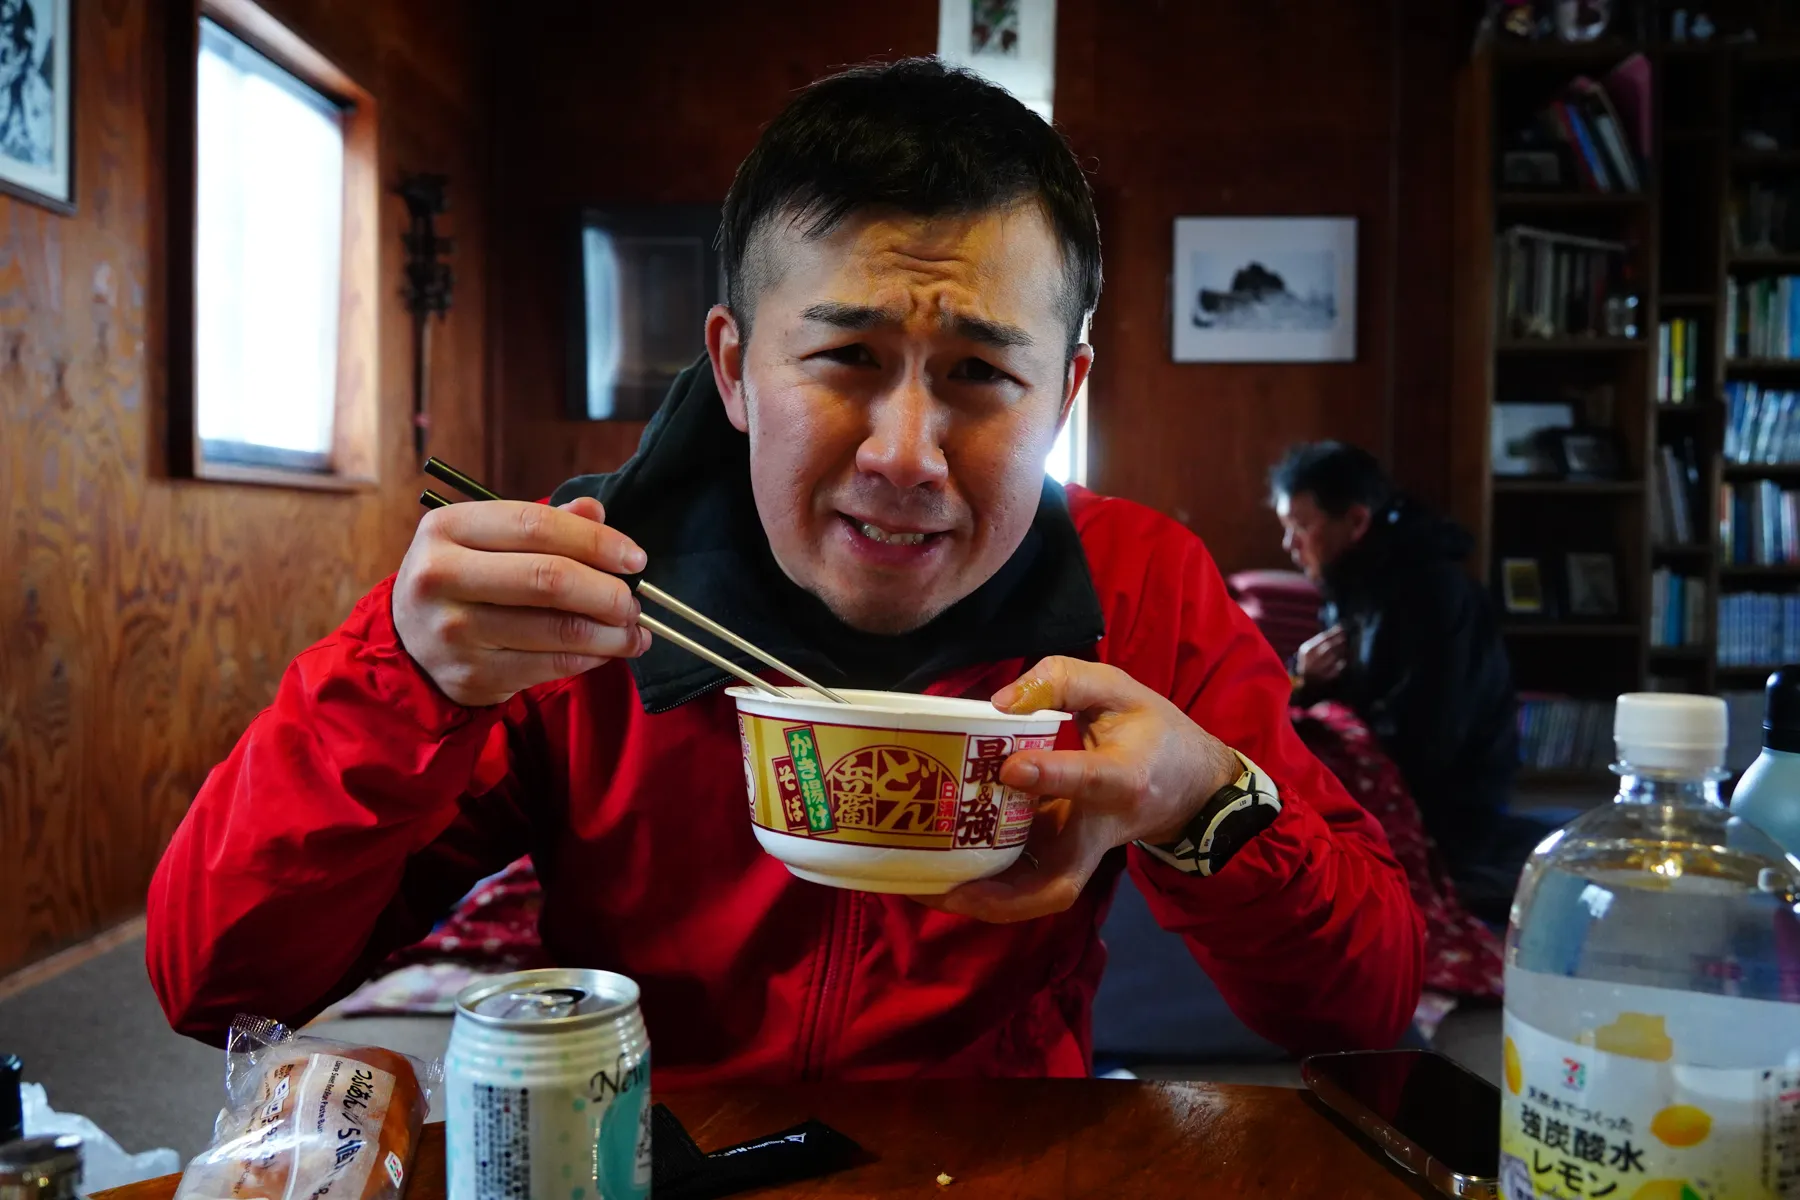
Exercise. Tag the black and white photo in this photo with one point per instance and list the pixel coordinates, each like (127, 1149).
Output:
(1010, 42)
(36, 159)
(1593, 585)
(1277, 289)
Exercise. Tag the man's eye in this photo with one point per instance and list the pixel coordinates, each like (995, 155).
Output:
(977, 370)
(856, 355)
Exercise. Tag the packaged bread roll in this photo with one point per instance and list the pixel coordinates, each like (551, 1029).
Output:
(311, 1118)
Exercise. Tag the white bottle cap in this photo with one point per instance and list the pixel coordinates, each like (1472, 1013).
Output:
(1665, 731)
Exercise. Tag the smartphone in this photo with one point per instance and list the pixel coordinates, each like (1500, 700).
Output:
(1432, 1116)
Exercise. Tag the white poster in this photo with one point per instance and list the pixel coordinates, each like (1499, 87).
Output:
(1010, 42)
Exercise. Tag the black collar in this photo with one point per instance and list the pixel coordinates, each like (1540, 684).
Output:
(685, 498)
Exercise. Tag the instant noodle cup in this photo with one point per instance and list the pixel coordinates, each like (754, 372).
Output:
(891, 793)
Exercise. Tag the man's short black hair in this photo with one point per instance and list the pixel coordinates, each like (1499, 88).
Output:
(918, 136)
(1336, 473)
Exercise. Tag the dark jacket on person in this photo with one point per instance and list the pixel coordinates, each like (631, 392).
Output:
(1428, 672)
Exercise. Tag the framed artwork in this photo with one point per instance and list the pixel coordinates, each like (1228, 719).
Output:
(1264, 289)
(645, 279)
(1522, 588)
(1588, 454)
(37, 84)
(1592, 582)
(1009, 42)
(1522, 442)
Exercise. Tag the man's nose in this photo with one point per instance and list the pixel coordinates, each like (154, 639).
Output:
(906, 428)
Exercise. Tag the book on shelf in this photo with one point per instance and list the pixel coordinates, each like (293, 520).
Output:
(1677, 361)
(1562, 733)
(1762, 317)
(1759, 524)
(1762, 425)
(1759, 628)
(1598, 127)
(1673, 495)
(1677, 609)
(1556, 284)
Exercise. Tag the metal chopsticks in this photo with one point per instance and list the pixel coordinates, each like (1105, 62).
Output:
(439, 469)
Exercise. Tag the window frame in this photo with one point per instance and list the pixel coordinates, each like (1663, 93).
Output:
(354, 457)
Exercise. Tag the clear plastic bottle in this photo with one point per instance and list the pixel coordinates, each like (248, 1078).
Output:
(1768, 796)
(1652, 1047)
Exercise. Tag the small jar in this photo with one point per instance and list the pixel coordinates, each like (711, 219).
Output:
(41, 1168)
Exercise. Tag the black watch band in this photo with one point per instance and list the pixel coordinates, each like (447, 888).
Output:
(1236, 813)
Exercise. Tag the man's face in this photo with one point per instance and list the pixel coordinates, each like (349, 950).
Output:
(905, 381)
(1314, 538)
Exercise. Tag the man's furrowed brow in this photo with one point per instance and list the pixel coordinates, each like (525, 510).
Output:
(989, 333)
(860, 317)
(856, 317)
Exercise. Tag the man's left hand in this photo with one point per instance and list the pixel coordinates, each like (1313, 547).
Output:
(1144, 771)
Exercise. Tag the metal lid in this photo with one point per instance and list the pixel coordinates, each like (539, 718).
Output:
(548, 1001)
(34, 1160)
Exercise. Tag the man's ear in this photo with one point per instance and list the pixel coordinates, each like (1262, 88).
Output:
(726, 346)
(1079, 366)
(1360, 519)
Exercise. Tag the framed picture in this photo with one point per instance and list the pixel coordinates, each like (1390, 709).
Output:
(1264, 289)
(1522, 588)
(1588, 454)
(37, 85)
(1008, 42)
(645, 279)
(1592, 584)
(1521, 441)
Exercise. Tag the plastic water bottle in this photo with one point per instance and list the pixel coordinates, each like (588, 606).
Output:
(1652, 1047)
(1768, 796)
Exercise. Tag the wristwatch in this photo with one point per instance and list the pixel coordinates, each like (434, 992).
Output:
(1236, 813)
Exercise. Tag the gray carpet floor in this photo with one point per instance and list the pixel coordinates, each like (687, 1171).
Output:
(97, 1040)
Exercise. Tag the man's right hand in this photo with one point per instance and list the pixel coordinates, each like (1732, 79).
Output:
(1323, 656)
(498, 595)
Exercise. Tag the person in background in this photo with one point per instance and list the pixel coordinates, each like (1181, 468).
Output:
(1413, 645)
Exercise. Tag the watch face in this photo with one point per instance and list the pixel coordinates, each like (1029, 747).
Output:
(1237, 812)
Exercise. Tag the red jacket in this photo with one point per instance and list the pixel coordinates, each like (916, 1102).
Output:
(362, 804)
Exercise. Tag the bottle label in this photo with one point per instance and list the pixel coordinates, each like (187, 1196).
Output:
(1622, 1112)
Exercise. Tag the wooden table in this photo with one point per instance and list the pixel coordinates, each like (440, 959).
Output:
(1015, 1139)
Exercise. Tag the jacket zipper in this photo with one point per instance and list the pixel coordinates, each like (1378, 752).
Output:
(839, 963)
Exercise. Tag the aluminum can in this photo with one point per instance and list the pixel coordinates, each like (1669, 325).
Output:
(547, 1083)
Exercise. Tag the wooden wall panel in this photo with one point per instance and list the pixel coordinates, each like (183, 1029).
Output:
(1243, 107)
(143, 621)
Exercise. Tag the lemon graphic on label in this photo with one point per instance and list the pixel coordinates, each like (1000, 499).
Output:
(1636, 1035)
(1665, 1189)
(1515, 1071)
(1681, 1125)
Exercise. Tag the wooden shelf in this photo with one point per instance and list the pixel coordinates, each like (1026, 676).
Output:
(1570, 629)
(1777, 159)
(1691, 135)
(1682, 653)
(1679, 550)
(1578, 200)
(1759, 571)
(1763, 262)
(1604, 52)
(1762, 470)
(1569, 345)
(1567, 487)
(1747, 672)
(1693, 406)
(1688, 300)
(1750, 366)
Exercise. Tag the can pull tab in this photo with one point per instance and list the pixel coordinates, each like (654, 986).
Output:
(537, 1004)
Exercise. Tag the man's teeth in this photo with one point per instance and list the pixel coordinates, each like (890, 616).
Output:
(877, 534)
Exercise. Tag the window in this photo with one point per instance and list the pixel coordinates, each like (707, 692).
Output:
(267, 250)
(1068, 456)
(274, 380)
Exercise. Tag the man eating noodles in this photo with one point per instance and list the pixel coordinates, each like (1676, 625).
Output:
(853, 479)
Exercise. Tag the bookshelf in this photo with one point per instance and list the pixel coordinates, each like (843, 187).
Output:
(1683, 260)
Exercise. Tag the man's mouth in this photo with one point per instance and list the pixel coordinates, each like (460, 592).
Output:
(888, 544)
(889, 537)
